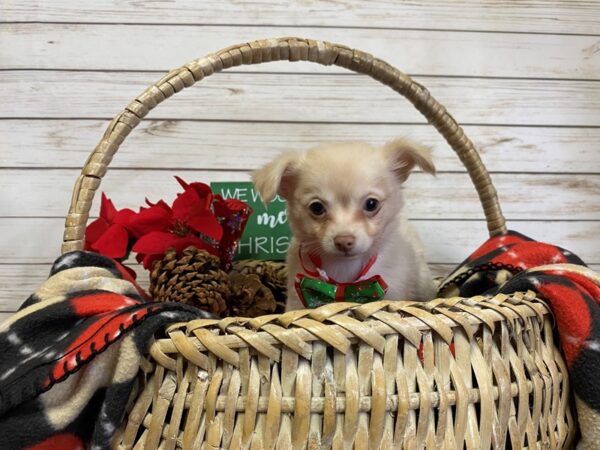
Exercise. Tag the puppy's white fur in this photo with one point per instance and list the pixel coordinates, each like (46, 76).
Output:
(342, 176)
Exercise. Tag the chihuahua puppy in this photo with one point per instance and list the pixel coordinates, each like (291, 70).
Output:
(344, 203)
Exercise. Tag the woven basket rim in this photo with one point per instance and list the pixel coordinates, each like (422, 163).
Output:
(295, 328)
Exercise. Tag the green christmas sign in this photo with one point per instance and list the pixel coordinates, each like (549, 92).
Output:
(267, 234)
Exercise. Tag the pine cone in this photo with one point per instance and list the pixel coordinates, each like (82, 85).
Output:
(272, 274)
(249, 297)
(193, 277)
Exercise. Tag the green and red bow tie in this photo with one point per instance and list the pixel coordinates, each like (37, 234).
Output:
(316, 288)
(315, 292)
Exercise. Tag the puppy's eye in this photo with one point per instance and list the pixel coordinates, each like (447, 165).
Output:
(371, 205)
(317, 208)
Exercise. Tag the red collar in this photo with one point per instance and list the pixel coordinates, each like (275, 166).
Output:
(320, 273)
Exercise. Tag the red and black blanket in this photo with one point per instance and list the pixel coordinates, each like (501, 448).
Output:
(515, 263)
(70, 355)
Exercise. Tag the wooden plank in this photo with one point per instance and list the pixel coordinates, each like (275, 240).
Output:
(248, 145)
(492, 15)
(47, 193)
(17, 282)
(37, 240)
(301, 97)
(151, 47)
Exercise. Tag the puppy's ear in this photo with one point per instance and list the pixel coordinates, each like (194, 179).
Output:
(405, 155)
(277, 177)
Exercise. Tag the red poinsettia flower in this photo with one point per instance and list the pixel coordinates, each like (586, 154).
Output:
(193, 207)
(155, 244)
(190, 221)
(109, 234)
(156, 217)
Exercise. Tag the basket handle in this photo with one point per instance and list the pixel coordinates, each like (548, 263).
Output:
(292, 49)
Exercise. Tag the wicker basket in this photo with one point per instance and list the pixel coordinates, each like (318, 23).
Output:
(379, 375)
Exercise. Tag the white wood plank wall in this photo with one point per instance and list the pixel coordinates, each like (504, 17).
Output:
(523, 79)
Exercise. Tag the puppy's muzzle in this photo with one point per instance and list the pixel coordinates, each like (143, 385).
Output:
(344, 243)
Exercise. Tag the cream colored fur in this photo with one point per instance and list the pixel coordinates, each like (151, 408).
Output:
(342, 177)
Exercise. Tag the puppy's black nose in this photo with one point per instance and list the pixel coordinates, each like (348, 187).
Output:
(344, 243)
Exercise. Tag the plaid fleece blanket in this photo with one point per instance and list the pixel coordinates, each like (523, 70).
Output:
(69, 357)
